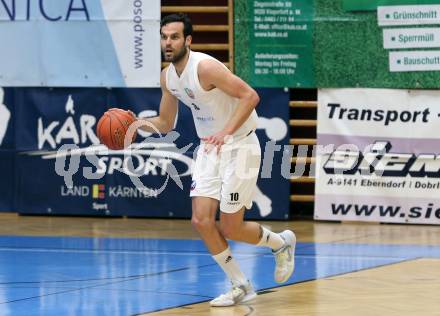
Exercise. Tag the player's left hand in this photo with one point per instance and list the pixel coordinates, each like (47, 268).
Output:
(216, 141)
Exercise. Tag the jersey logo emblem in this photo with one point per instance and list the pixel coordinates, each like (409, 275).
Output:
(190, 93)
(195, 106)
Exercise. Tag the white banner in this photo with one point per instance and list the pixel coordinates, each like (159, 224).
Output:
(80, 43)
(408, 15)
(427, 60)
(378, 156)
(419, 37)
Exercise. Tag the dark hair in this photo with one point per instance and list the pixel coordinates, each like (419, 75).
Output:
(179, 17)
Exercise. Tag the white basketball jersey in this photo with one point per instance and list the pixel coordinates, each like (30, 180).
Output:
(212, 109)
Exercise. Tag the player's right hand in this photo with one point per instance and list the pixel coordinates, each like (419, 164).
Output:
(134, 115)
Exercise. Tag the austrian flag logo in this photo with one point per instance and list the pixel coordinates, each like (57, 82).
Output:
(98, 191)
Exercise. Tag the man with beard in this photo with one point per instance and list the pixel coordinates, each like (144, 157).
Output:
(228, 159)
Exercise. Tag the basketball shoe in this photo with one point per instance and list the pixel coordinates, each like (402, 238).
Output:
(236, 295)
(285, 257)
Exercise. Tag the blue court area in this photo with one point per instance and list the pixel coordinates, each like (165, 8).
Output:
(115, 276)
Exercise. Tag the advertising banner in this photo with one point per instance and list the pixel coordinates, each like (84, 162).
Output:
(277, 37)
(367, 5)
(7, 125)
(80, 43)
(366, 49)
(7, 182)
(378, 156)
(7, 151)
(85, 178)
(62, 169)
(338, 44)
(271, 199)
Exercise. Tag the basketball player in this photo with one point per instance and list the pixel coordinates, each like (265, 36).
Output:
(223, 107)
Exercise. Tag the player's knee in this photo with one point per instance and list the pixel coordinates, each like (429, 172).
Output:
(202, 224)
(229, 231)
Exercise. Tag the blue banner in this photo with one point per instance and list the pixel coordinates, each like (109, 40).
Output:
(7, 150)
(7, 182)
(57, 117)
(152, 180)
(271, 200)
(6, 119)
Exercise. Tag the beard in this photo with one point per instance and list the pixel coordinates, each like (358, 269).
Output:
(178, 56)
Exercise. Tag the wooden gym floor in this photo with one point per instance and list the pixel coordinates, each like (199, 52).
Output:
(341, 269)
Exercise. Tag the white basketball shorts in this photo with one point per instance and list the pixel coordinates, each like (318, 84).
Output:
(229, 176)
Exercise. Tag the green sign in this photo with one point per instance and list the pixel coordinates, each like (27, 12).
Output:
(318, 43)
(273, 42)
(349, 51)
(371, 5)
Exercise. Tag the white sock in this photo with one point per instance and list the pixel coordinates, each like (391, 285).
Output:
(230, 267)
(270, 239)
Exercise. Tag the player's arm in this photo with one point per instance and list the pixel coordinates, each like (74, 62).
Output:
(212, 74)
(167, 111)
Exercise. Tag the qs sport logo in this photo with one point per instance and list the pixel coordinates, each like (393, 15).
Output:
(71, 139)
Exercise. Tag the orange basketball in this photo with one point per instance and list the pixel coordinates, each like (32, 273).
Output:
(113, 126)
